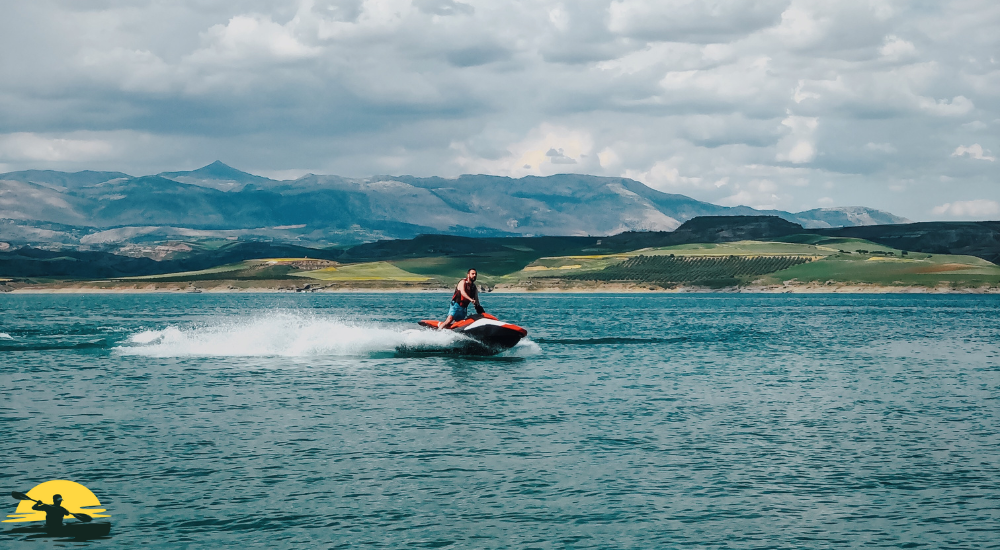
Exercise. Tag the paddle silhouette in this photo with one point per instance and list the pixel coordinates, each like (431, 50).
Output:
(22, 496)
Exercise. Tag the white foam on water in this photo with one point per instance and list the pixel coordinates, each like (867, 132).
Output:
(5, 336)
(283, 334)
(524, 348)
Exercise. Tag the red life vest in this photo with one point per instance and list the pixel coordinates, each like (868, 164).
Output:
(457, 296)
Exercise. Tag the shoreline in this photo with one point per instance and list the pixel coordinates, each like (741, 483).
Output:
(94, 287)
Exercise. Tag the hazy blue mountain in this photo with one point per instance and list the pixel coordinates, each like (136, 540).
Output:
(216, 176)
(218, 201)
(577, 204)
(25, 200)
(62, 180)
(846, 216)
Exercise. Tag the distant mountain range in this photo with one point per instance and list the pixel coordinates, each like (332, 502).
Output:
(102, 209)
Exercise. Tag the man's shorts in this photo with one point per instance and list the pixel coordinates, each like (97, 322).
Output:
(458, 311)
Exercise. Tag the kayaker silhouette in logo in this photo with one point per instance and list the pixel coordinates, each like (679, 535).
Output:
(79, 499)
(54, 513)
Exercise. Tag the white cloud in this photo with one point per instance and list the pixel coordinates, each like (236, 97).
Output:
(608, 158)
(253, 37)
(133, 70)
(559, 18)
(375, 18)
(682, 94)
(799, 146)
(895, 48)
(665, 175)
(799, 95)
(974, 151)
(880, 147)
(978, 208)
(23, 146)
(798, 27)
(691, 20)
(547, 149)
(762, 194)
(959, 105)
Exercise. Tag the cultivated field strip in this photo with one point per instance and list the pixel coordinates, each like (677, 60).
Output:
(691, 269)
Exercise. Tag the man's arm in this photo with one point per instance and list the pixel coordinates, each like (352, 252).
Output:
(475, 299)
(39, 505)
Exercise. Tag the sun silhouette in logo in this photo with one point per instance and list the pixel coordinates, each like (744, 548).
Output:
(76, 498)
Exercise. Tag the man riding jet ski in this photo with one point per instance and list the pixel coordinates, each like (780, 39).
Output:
(482, 327)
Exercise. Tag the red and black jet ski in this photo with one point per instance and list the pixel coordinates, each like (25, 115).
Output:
(491, 334)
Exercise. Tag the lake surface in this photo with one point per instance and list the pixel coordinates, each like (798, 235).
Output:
(652, 421)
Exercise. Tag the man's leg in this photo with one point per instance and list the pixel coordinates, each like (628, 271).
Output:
(446, 323)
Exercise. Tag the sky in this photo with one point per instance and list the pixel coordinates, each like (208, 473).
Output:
(782, 104)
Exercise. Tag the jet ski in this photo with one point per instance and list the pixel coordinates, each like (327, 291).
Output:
(487, 334)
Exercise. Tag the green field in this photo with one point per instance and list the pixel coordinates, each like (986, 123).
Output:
(249, 270)
(912, 270)
(490, 268)
(372, 271)
(745, 248)
(708, 264)
(837, 244)
(712, 271)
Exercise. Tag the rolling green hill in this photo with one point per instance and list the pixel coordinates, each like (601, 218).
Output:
(716, 252)
(746, 264)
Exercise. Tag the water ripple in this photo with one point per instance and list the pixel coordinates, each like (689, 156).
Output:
(713, 421)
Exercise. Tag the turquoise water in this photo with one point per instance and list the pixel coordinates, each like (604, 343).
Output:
(700, 421)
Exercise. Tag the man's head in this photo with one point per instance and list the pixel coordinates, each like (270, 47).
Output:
(56, 499)
(471, 275)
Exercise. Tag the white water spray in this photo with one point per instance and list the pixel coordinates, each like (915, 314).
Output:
(289, 334)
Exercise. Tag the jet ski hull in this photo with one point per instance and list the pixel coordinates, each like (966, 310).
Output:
(489, 335)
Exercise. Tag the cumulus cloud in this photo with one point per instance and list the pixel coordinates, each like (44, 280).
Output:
(975, 125)
(444, 7)
(896, 48)
(692, 20)
(665, 175)
(978, 209)
(26, 146)
(762, 194)
(546, 150)
(739, 101)
(608, 158)
(252, 36)
(957, 106)
(974, 151)
(798, 146)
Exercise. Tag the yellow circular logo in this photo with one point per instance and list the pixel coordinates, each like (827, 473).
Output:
(77, 499)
